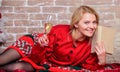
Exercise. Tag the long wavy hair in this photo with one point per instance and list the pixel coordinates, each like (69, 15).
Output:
(77, 16)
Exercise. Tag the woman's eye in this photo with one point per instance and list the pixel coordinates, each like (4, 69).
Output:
(95, 22)
(86, 22)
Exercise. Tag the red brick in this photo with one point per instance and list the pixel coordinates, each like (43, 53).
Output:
(106, 9)
(21, 22)
(20, 16)
(118, 15)
(40, 2)
(68, 2)
(27, 9)
(13, 2)
(10, 38)
(64, 16)
(106, 16)
(35, 29)
(34, 23)
(97, 2)
(6, 9)
(54, 9)
(41, 16)
(117, 10)
(117, 2)
(8, 15)
(110, 23)
(15, 16)
(118, 30)
(72, 9)
(16, 30)
(8, 23)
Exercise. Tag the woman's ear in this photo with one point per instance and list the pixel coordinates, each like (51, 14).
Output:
(76, 25)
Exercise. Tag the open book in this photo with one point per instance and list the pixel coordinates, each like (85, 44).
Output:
(105, 34)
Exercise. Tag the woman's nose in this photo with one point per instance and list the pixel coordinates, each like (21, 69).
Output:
(91, 25)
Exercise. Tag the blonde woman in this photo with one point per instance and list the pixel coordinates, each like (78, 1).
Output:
(68, 47)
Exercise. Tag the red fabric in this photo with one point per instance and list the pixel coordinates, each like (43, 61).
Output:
(56, 69)
(62, 44)
(1, 70)
(19, 70)
(0, 15)
(61, 51)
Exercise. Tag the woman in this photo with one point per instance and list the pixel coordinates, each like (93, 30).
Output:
(67, 46)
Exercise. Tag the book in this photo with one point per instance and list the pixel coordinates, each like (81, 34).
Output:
(105, 34)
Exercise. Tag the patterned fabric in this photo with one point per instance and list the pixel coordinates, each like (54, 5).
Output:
(78, 69)
(24, 46)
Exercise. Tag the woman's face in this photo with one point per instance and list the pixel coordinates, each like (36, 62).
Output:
(87, 25)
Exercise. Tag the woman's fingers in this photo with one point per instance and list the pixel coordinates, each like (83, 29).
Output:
(43, 40)
(46, 38)
(100, 51)
(99, 48)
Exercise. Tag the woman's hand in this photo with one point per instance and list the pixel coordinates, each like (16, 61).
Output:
(43, 40)
(101, 53)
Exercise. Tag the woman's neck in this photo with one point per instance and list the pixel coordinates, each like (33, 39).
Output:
(76, 35)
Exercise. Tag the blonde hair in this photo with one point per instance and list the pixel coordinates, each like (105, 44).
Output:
(78, 14)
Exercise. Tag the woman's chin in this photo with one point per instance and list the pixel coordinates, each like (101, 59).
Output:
(90, 35)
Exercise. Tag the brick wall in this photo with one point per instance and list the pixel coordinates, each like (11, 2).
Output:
(28, 16)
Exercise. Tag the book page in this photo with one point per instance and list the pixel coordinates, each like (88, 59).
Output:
(105, 34)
